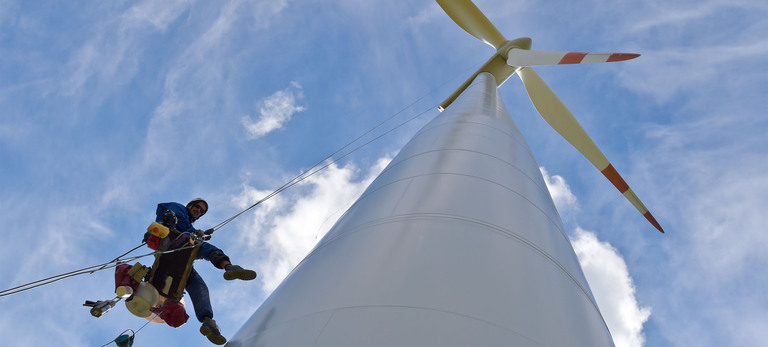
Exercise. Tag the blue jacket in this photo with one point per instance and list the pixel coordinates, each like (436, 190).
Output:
(183, 223)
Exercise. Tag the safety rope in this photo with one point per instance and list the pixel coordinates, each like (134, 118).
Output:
(133, 334)
(299, 178)
(122, 255)
(87, 270)
(304, 175)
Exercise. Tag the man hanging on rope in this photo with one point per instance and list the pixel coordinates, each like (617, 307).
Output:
(196, 287)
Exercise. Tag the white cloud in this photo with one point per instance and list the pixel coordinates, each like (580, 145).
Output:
(612, 287)
(606, 273)
(560, 191)
(288, 226)
(276, 110)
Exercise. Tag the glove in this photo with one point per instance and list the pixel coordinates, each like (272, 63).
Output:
(201, 235)
(169, 219)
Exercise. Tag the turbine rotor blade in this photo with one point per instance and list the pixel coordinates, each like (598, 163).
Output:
(522, 57)
(473, 21)
(562, 120)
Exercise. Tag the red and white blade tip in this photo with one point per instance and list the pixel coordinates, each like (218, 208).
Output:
(581, 57)
(523, 57)
(613, 176)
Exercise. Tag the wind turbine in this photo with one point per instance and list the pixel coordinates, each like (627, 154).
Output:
(516, 56)
(457, 242)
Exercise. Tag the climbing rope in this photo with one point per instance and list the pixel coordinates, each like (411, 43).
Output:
(315, 169)
(120, 256)
(304, 175)
(133, 334)
(87, 270)
(299, 178)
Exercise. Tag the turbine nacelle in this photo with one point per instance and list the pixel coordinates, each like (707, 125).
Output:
(496, 65)
(523, 43)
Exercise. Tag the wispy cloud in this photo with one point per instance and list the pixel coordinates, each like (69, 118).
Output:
(663, 13)
(276, 110)
(665, 74)
(111, 55)
(702, 47)
(714, 199)
(196, 85)
(156, 14)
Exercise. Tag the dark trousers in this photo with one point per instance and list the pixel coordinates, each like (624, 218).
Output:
(196, 287)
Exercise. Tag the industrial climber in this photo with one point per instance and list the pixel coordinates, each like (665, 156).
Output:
(182, 218)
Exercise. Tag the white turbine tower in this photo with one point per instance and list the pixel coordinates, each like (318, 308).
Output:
(457, 242)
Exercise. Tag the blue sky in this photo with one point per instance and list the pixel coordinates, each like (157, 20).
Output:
(108, 108)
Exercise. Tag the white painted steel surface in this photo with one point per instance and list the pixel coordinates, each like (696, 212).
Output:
(456, 243)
